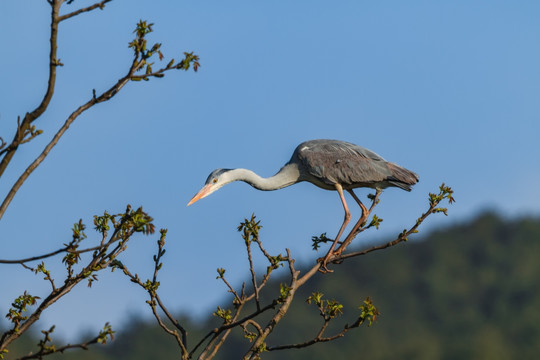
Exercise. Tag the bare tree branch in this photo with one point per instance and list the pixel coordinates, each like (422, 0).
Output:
(99, 5)
(313, 341)
(369, 313)
(445, 192)
(111, 246)
(48, 350)
(221, 341)
(210, 343)
(141, 55)
(253, 277)
(130, 222)
(172, 319)
(41, 257)
(233, 325)
(151, 287)
(107, 95)
(231, 289)
(259, 344)
(167, 330)
(32, 116)
(2, 144)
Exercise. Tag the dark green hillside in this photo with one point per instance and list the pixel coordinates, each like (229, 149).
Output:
(467, 292)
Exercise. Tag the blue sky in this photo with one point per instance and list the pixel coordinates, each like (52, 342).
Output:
(447, 89)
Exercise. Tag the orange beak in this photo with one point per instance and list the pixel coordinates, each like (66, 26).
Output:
(205, 191)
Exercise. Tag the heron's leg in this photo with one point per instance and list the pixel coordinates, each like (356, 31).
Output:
(343, 226)
(352, 234)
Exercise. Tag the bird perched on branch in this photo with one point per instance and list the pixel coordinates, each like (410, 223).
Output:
(330, 165)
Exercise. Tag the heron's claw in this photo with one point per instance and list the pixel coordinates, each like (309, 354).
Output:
(323, 268)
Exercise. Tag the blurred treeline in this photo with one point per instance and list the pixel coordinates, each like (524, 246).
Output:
(471, 291)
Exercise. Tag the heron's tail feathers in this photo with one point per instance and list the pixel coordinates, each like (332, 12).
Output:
(401, 177)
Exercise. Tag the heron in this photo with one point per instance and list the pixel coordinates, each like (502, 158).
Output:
(330, 165)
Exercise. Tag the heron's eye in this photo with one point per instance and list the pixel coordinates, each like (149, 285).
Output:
(214, 181)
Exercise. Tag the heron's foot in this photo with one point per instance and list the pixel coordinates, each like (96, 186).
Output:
(325, 270)
(324, 261)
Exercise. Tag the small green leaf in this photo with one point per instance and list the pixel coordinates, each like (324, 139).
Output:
(284, 291)
(369, 312)
(224, 314)
(316, 298)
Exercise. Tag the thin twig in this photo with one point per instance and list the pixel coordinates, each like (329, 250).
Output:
(315, 340)
(210, 344)
(293, 287)
(61, 349)
(231, 289)
(272, 305)
(270, 258)
(172, 319)
(155, 299)
(434, 200)
(224, 336)
(99, 5)
(2, 144)
(253, 277)
(400, 238)
(166, 329)
(40, 257)
(255, 325)
(154, 295)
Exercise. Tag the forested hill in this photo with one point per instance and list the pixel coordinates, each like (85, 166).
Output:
(467, 292)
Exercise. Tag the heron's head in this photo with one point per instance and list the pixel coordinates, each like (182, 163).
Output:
(216, 179)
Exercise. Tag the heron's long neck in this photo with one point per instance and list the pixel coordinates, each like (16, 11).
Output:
(287, 176)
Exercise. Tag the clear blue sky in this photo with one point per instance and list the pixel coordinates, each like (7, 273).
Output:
(448, 89)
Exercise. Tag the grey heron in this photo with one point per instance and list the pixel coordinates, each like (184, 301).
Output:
(330, 165)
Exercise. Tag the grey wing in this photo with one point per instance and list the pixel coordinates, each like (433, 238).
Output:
(333, 161)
